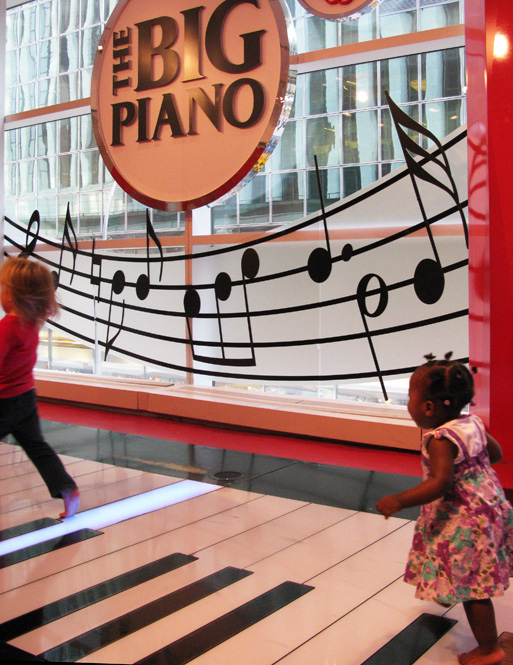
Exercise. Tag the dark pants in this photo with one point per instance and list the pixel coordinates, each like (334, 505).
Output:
(19, 417)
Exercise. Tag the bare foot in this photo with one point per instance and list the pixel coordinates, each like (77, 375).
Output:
(479, 657)
(71, 498)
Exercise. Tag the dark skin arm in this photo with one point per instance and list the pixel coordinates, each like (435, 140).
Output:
(494, 449)
(441, 477)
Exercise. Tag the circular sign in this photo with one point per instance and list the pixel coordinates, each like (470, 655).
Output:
(188, 99)
(339, 10)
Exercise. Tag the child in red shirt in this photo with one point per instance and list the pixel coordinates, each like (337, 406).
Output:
(27, 296)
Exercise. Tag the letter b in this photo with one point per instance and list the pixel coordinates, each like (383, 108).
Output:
(147, 53)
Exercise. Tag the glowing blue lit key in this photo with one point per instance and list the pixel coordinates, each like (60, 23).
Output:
(112, 513)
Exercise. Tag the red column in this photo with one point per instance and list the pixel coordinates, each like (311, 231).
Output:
(490, 155)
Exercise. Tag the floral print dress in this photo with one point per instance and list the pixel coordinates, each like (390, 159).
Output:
(463, 543)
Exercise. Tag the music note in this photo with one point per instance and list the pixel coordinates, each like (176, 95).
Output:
(72, 244)
(361, 297)
(142, 288)
(319, 261)
(96, 262)
(250, 264)
(30, 246)
(428, 279)
(118, 285)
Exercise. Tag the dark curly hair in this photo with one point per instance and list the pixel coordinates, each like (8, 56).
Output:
(447, 381)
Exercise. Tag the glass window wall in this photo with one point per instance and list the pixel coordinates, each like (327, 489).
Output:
(340, 116)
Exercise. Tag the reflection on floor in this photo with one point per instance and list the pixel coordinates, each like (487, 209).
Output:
(188, 553)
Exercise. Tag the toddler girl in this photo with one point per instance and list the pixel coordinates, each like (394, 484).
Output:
(462, 550)
(27, 296)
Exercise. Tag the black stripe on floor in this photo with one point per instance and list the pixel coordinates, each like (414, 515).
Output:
(77, 601)
(10, 653)
(28, 527)
(48, 546)
(143, 616)
(412, 642)
(214, 633)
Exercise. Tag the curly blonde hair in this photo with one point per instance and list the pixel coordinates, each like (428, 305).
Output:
(31, 289)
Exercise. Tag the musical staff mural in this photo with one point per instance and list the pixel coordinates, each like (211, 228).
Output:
(329, 298)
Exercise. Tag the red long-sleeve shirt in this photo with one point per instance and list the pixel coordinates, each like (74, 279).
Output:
(18, 355)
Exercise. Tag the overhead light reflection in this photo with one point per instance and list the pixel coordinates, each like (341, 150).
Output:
(500, 46)
(112, 513)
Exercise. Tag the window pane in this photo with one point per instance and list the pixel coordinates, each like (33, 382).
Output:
(85, 82)
(28, 63)
(90, 212)
(289, 153)
(27, 97)
(90, 41)
(11, 30)
(70, 15)
(68, 176)
(322, 139)
(68, 52)
(116, 219)
(47, 93)
(87, 138)
(11, 145)
(224, 214)
(358, 177)
(28, 24)
(392, 25)
(68, 135)
(390, 144)
(441, 118)
(90, 12)
(297, 107)
(330, 187)
(90, 169)
(136, 214)
(362, 30)
(46, 138)
(47, 212)
(49, 58)
(25, 209)
(27, 169)
(400, 78)
(11, 100)
(27, 142)
(48, 13)
(165, 220)
(63, 202)
(68, 87)
(443, 73)
(108, 6)
(11, 179)
(254, 201)
(46, 175)
(322, 92)
(360, 131)
(11, 69)
(440, 16)
(320, 33)
(359, 86)
(288, 197)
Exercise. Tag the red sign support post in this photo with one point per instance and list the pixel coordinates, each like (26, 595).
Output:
(489, 56)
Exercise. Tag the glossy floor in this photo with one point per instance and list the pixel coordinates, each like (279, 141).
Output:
(190, 553)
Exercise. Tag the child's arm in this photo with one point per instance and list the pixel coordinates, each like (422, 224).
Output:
(494, 449)
(441, 476)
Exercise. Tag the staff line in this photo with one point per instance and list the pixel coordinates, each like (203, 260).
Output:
(254, 377)
(279, 344)
(257, 313)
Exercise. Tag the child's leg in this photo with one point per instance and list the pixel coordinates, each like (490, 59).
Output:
(27, 432)
(481, 617)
